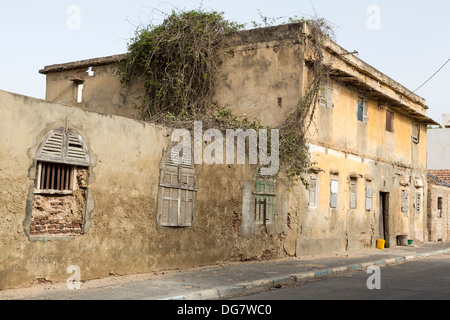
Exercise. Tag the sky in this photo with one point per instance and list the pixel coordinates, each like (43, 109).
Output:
(406, 40)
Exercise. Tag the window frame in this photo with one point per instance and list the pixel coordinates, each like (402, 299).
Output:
(265, 195)
(353, 194)
(418, 202)
(390, 121)
(66, 174)
(439, 204)
(315, 191)
(404, 201)
(415, 132)
(334, 195)
(326, 95)
(180, 190)
(369, 197)
(363, 110)
(62, 150)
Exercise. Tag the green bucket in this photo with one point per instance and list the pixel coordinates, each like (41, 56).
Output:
(410, 242)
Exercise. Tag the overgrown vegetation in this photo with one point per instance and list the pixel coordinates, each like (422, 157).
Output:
(177, 61)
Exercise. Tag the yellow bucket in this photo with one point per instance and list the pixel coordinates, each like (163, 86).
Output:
(381, 244)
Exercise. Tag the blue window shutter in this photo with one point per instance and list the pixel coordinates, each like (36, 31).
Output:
(360, 110)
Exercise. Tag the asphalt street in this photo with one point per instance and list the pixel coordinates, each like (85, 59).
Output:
(425, 279)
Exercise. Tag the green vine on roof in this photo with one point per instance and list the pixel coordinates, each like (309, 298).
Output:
(178, 62)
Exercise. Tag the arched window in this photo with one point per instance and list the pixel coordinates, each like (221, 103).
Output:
(60, 152)
(177, 192)
(61, 186)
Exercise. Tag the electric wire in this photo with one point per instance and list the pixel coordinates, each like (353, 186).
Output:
(432, 76)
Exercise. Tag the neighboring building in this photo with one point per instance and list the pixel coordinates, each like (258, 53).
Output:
(90, 187)
(438, 209)
(438, 145)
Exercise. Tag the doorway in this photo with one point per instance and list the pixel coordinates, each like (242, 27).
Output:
(384, 217)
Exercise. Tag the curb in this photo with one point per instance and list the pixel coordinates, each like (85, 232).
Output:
(263, 285)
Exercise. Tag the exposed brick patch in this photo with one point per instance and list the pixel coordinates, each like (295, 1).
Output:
(60, 215)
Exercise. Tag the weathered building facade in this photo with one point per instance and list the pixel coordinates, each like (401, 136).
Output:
(85, 183)
(438, 146)
(438, 209)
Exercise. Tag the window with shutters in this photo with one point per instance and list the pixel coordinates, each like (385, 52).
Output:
(177, 191)
(418, 201)
(313, 190)
(334, 190)
(61, 186)
(415, 133)
(59, 155)
(326, 95)
(363, 110)
(369, 197)
(389, 121)
(439, 207)
(264, 200)
(353, 193)
(404, 201)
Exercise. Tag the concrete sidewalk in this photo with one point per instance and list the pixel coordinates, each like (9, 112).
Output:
(228, 280)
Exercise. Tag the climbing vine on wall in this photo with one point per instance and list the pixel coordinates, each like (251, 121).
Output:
(178, 62)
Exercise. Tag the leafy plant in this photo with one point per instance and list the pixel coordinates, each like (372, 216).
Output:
(178, 63)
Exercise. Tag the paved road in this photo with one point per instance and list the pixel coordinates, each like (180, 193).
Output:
(425, 279)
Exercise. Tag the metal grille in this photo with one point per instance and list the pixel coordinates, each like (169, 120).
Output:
(265, 202)
(54, 176)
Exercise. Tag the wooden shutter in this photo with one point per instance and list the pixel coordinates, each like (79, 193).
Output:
(177, 185)
(61, 146)
(404, 201)
(365, 111)
(353, 193)
(415, 132)
(326, 95)
(418, 202)
(334, 188)
(360, 110)
(389, 121)
(312, 192)
(76, 149)
(369, 198)
(53, 145)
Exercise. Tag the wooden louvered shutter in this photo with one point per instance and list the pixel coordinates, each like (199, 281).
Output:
(59, 152)
(389, 121)
(53, 146)
(353, 194)
(76, 150)
(369, 198)
(334, 194)
(312, 192)
(177, 185)
(61, 146)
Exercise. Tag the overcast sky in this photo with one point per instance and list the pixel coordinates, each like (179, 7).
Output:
(406, 40)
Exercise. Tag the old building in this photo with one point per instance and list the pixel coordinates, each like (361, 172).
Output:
(438, 146)
(85, 183)
(438, 209)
